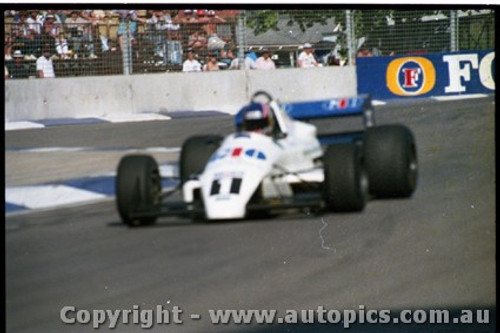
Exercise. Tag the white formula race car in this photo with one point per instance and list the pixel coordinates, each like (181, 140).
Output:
(275, 161)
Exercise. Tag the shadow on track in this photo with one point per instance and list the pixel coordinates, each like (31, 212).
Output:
(186, 221)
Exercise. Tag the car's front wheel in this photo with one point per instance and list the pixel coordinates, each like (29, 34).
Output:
(138, 188)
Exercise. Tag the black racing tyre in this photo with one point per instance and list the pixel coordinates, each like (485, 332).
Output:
(346, 182)
(138, 188)
(195, 153)
(391, 161)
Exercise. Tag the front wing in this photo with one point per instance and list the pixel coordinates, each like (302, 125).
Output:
(182, 209)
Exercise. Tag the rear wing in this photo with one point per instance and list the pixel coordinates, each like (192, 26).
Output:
(332, 108)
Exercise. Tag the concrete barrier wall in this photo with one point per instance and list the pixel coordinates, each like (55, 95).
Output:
(214, 91)
(34, 99)
(223, 91)
(296, 84)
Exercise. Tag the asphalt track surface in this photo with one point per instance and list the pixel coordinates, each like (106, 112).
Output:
(433, 251)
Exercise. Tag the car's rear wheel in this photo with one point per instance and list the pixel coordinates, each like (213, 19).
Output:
(346, 181)
(391, 160)
(138, 188)
(195, 153)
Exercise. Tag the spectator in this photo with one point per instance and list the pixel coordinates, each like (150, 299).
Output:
(128, 18)
(62, 47)
(50, 27)
(56, 15)
(79, 31)
(159, 26)
(184, 16)
(173, 36)
(192, 16)
(169, 22)
(249, 62)
(154, 32)
(62, 15)
(29, 44)
(197, 40)
(201, 16)
(17, 25)
(88, 15)
(214, 41)
(213, 18)
(74, 29)
(227, 58)
(24, 38)
(44, 66)
(34, 22)
(50, 31)
(17, 68)
(40, 17)
(364, 52)
(265, 62)
(306, 57)
(191, 64)
(96, 16)
(212, 64)
(332, 61)
(9, 13)
(8, 48)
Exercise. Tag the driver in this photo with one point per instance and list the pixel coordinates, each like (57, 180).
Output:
(258, 117)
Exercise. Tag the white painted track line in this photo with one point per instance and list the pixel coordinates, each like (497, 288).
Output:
(34, 197)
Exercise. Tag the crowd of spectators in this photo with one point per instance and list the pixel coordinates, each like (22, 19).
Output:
(192, 40)
(89, 34)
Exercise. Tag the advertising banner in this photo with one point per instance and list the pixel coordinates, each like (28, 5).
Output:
(440, 74)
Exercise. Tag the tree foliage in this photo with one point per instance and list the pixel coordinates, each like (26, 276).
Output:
(263, 20)
(387, 30)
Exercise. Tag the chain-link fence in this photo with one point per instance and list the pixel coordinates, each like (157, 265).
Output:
(124, 42)
(116, 42)
(338, 36)
(423, 31)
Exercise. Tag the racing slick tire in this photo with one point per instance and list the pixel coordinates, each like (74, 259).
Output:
(346, 181)
(138, 188)
(391, 159)
(195, 153)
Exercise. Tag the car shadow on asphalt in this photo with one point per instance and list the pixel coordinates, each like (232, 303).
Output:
(186, 221)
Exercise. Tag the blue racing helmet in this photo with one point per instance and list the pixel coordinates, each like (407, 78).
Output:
(256, 117)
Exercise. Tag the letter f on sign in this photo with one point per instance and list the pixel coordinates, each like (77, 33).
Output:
(456, 72)
(411, 77)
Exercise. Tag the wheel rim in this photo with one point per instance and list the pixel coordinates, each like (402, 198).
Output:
(412, 168)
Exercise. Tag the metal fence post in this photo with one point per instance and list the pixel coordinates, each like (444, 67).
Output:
(453, 31)
(127, 50)
(350, 37)
(241, 40)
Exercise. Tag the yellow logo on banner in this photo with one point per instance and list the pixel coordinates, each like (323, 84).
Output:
(410, 76)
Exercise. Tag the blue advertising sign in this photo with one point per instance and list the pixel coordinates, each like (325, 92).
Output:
(427, 75)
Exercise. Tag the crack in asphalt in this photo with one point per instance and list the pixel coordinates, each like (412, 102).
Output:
(323, 246)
